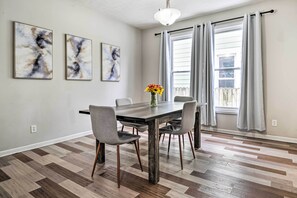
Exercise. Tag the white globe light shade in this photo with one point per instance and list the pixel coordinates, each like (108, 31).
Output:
(167, 16)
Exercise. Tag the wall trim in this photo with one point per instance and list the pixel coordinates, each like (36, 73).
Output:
(44, 143)
(252, 134)
(81, 134)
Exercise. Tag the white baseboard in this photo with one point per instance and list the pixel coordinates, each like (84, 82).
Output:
(44, 143)
(77, 135)
(253, 134)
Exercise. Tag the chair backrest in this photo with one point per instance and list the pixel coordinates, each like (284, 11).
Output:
(183, 98)
(188, 116)
(123, 101)
(104, 124)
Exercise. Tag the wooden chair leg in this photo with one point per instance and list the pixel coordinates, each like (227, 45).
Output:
(138, 147)
(183, 140)
(169, 143)
(191, 144)
(192, 135)
(122, 128)
(180, 153)
(138, 156)
(133, 130)
(160, 137)
(138, 140)
(118, 165)
(163, 137)
(96, 157)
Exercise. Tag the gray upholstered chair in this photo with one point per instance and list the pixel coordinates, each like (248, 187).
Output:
(186, 125)
(180, 99)
(177, 121)
(104, 126)
(183, 98)
(138, 127)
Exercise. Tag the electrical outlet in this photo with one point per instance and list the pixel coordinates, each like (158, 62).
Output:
(274, 123)
(33, 128)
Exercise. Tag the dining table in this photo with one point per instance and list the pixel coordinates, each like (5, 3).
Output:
(143, 113)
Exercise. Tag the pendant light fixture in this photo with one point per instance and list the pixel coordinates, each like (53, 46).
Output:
(167, 16)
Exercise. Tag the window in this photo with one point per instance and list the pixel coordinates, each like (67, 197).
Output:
(181, 64)
(228, 48)
(227, 73)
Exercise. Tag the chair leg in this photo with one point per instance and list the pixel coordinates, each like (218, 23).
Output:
(138, 147)
(192, 135)
(137, 134)
(180, 153)
(163, 137)
(133, 130)
(122, 128)
(118, 165)
(169, 143)
(183, 140)
(191, 144)
(97, 153)
(138, 156)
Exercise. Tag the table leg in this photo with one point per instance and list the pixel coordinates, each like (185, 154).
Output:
(101, 156)
(197, 131)
(153, 151)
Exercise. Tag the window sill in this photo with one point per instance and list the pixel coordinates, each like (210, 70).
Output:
(227, 110)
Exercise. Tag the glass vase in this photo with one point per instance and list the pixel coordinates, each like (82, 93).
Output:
(154, 101)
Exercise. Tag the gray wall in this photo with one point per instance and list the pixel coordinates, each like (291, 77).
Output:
(280, 59)
(53, 104)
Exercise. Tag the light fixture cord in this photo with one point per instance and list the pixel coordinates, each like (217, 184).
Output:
(167, 3)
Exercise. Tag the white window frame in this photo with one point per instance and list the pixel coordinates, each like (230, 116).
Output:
(220, 109)
(177, 37)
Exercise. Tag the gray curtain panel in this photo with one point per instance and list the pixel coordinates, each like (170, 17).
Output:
(251, 110)
(202, 71)
(165, 65)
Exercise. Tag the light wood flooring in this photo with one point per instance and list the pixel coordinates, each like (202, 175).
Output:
(226, 166)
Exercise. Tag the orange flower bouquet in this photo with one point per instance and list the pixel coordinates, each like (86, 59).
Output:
(154, 89)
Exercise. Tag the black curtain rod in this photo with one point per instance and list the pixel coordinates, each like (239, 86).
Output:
(216, 22)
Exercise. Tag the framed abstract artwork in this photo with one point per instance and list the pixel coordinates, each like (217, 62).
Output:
(33, 52)
(110, 63)
(78, 58)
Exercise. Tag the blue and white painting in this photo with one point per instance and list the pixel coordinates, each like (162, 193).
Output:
(110, 56)
(79, 58)
(33, 52)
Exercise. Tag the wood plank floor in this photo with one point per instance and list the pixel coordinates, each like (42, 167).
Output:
(226, 166)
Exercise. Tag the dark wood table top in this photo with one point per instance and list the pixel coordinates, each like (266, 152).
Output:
(142, 112)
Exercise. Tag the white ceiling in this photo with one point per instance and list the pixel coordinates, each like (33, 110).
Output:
(139, 13)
